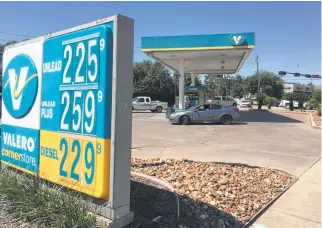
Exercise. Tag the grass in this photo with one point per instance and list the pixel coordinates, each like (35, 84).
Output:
(28, 200)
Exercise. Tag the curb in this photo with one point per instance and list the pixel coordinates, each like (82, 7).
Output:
(163, 183)
(289, 112)
(314, 126)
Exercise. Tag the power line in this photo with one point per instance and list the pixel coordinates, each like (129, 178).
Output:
(248, 65)
(15, 34)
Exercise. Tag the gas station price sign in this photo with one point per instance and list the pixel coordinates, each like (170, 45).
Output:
(75, 109)
(66, 124)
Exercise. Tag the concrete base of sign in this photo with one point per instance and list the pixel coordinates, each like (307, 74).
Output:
(103, 222)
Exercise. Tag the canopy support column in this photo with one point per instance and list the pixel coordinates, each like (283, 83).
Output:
(181, 83)
(193, 78)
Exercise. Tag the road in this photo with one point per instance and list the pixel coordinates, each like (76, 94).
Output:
(283, 141)
(264, 139)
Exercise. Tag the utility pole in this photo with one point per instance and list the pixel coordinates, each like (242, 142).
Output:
(298, 68)
(259, 79)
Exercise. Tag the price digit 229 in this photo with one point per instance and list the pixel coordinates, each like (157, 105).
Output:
(78, 160)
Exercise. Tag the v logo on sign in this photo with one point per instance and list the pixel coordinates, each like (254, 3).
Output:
(237, 39)
(16, 85)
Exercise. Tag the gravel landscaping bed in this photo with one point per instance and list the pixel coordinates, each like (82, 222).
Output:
(214, 195)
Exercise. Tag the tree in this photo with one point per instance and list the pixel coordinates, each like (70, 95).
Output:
(317, 95)
(153, 79)
(270, 84)
(187, 80)
(296, 96)
(212, 83)
(151, 76)
(315, 101)
(2, 46)
(260, 97)
(8, 43)
(238, 86)
(269, 100)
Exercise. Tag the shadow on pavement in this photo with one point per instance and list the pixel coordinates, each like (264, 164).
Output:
(147, 112)
(217, 123)
(149, 202)
(265, 117)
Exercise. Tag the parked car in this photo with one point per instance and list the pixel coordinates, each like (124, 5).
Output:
(245, 104)
(145, 103)
(211, 112)
(226, 101)
(286, 104)
(307, 106)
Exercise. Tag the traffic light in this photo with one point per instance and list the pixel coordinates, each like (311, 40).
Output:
(282, 73)
(297, 74)
(307, 75)
(316, 76)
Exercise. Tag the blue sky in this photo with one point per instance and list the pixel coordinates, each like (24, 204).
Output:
(286, 33)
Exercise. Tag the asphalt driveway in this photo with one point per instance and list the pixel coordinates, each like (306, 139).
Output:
(282, 141)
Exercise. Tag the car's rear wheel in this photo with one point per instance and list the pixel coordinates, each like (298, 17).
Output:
(158, 109)
(226, 119)
(184, 120)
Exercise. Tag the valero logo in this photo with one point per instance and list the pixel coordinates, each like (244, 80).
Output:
(19, 86)
(237, 39)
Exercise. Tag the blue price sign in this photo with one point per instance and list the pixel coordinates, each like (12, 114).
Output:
(77, 81)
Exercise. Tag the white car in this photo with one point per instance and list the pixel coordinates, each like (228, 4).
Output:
(286, 104)
(245, 104)
(145, 103)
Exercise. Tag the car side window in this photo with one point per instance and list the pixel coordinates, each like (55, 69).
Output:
(147, 100)
(217, 99)
(141, 99)
(216, 107)
(224, 98)
(204, 107)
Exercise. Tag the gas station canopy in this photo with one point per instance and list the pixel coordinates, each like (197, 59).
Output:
(203, 54)
(200, 54)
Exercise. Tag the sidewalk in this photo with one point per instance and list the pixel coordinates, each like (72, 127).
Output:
(299, 207)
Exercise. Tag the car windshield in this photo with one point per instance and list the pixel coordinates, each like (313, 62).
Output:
(193, 107)
(134, 99)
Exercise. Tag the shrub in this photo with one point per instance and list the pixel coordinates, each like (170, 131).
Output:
(314, 103)
(28, 199)
(260, 97)
(318, 109)
(269, 100)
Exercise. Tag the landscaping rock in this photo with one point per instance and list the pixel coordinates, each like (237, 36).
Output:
(217, 195)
